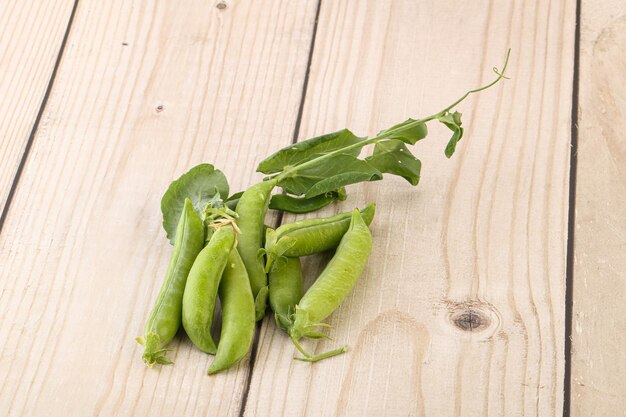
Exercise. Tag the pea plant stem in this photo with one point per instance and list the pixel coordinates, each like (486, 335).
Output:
(389, 132)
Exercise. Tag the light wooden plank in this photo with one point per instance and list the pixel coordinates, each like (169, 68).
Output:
(599, 315)
(483, 235)
(146, 89)
(31, 33)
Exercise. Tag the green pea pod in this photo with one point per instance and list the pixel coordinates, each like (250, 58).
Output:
(202, 286)
(332, 287)
(286, 290)
(237, 315)
(252, 207)
(165, 317)
(310, 236)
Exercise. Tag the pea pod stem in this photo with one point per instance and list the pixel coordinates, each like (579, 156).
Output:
(314, 358)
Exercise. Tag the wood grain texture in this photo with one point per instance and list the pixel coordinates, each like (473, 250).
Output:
(599, 315)
(31, 33)
(145, 90)
(461, 309)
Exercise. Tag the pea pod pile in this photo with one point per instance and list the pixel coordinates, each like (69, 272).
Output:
(223, 249)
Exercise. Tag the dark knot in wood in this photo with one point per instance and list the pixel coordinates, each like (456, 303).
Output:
(471, 320)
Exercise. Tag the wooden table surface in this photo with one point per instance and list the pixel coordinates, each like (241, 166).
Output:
(496, 287)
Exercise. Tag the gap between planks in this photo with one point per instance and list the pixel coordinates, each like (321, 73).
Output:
(279, 218)
(33, 131)
(571, 223)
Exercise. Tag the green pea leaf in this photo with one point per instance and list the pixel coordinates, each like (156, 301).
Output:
(343, 179)
(335, 172)
(200, 184)
(301, 152)
(408, 131)
(453, 122)
(293, 204)
(393, 157)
